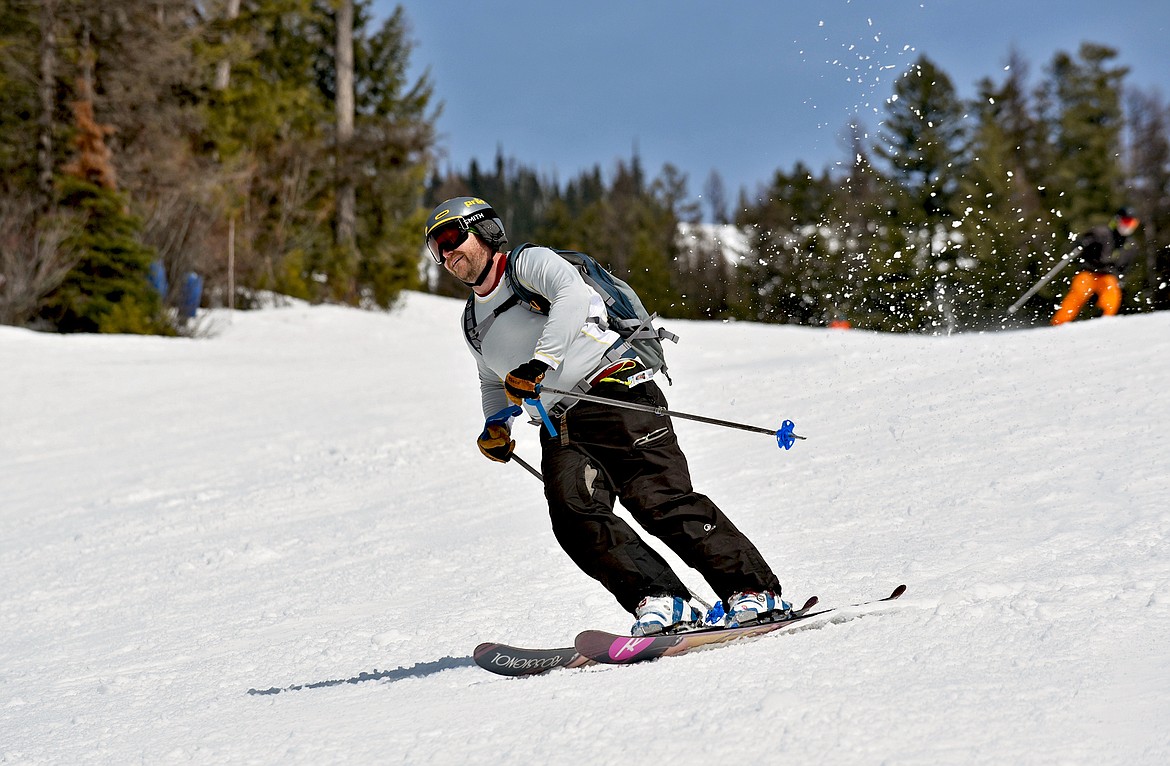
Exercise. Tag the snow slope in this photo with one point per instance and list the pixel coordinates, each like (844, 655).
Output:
(297, 501)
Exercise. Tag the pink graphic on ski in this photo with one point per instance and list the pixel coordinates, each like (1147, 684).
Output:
(627, 648)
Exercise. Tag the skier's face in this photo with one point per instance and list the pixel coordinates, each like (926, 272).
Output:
(467, 259)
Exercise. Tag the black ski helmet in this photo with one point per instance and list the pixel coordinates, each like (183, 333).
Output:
(470, 214)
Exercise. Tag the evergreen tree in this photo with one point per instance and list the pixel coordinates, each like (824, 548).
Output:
(1148, 190)
(789, 281)
(20, 37)
(1084, 94)
(1079, 107)
(391, 152)
(922, 141)
(108, 290)
(272, 128)
(224, 117)
(704, 274)
(869, 258)
(715, 193)
(265, 129)
(143, 84)
(653, 269)
(1008, 233)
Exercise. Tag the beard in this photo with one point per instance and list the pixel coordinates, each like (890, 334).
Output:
(465, 267)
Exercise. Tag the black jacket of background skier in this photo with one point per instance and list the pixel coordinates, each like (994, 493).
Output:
(1103, 251)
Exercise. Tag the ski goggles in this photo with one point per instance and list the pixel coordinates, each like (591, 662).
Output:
(1127, 224)
(447, 238)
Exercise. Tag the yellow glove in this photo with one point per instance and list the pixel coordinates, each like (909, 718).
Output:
(496, 442)
(521, 382)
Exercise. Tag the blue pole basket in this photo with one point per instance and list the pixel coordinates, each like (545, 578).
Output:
(785, 438)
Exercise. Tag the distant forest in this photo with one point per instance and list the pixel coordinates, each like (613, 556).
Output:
(279, 146)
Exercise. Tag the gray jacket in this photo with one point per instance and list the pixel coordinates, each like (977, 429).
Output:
(572, 339)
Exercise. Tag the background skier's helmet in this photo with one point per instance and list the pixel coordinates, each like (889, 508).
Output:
(466, 215)
(1126, 221)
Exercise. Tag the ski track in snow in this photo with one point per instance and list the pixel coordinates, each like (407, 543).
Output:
(295, 505)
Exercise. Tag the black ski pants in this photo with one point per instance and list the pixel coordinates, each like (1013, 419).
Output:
(604, 453)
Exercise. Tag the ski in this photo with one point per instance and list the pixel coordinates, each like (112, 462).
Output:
(507, 660)
(612, 649)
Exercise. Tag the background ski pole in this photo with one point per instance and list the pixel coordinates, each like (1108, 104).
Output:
(1064, 261)
(785, 438)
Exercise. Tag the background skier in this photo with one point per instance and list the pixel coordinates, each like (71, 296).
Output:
(1106, 257)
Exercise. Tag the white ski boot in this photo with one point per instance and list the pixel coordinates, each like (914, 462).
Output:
(746, 608)
(664, 614)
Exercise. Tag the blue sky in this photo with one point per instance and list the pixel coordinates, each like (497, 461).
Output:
(741, 88)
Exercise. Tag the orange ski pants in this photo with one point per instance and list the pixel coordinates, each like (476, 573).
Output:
(1085, 285)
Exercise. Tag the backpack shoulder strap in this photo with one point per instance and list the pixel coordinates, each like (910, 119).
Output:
(476, 330)
(527, 298)
(473, 333)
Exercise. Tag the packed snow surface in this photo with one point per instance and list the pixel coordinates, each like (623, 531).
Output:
(294, 504)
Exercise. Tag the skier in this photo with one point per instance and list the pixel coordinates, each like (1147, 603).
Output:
(1105, 259)
(602, 453)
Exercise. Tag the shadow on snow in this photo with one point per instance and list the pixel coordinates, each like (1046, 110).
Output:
(416, 670)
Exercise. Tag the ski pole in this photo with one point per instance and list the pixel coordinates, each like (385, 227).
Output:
(1064, 261)
(526, 466)
(785, 438)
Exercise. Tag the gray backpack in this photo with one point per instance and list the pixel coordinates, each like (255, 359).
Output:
(626, 314)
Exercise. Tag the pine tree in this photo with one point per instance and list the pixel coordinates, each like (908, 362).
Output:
(273, 130)
(144, 86)
(390, 153)
(1008, 233)
(789, 281)
(705, 278)
(108, 290)
(1147, 285)
(1085, 96)
(33, 257)
(872, 243)
(715, 194)
(922, 141)
(20, 41)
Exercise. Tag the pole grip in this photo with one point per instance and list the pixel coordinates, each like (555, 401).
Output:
(539, 405)
(504, 415)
